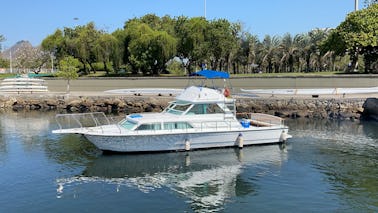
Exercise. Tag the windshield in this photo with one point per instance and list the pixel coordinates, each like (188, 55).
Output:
(177, 108)
(127, 124)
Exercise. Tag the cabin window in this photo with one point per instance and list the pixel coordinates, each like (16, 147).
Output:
(177, 108)
(177, 125)
(153, 126)
(200, 109)
(128, 124)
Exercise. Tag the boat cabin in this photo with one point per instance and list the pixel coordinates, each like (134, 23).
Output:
(193, 102)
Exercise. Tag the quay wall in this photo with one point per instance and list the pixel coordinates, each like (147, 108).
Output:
(330, 108)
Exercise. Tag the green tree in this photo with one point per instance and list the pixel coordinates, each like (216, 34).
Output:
(268, 51)
(289, 47)
(304, 54)
(191, 39)
(358, 34)
(3, 62)
(54, 44)
(122, 55)
(175, 67)
(149, 49)
(80, 42)
(106, 50)
(317, 37)
(68, 68)
(2, 38)
(247, 52)
(223, 42)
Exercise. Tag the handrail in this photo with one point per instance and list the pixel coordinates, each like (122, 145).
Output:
(271, 119)
(99, 119)
(93, 119)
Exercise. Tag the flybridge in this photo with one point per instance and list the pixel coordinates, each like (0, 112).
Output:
(211, 74)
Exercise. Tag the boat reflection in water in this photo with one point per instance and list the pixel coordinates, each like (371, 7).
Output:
(208, 178)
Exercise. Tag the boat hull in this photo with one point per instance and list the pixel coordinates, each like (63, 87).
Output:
(185, 141)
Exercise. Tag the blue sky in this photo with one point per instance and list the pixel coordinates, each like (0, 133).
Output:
(33, 20)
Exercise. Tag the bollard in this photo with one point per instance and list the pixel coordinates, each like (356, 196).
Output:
(240, 141)
(187, 145)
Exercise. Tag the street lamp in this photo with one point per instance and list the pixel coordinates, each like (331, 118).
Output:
(355, 5)
(52, 62)
(205, 9)
(10, 60)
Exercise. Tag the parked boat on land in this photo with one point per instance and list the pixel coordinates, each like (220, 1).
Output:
(200, 117)
(23, 84)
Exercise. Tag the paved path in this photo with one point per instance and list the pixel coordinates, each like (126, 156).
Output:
(96, 87)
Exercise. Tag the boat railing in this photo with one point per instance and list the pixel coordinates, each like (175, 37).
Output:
(81, 120)
(261, 119)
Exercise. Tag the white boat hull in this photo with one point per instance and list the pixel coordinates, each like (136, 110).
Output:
(177, 142)
(23, 84)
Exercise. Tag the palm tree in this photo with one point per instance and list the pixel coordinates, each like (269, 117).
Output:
(289, 47)
(253, 42)
(247, 52)
(268, 52)
(2, 38)
(317, 36)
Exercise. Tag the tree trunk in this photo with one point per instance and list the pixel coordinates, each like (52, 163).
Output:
(84, 65)
(68, 86)
(91, 66)
(308, 63)
(354, 59)
(106, 68)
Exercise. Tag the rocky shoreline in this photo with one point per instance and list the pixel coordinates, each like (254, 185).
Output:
(322, 108)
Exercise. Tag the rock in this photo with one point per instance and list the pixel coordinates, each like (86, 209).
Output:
(370, 109)
(75, 103)
(294, 107)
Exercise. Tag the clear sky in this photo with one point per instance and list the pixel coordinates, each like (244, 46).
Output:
(33, 20)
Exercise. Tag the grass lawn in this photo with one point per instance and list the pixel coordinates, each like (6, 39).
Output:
(7, 75)
(296, 74)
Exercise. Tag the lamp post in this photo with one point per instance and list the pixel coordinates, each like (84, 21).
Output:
(205, 8)
(52, 62)
(10, 60)
(355, 5)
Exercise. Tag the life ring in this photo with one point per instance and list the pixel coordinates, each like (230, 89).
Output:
(226, 92)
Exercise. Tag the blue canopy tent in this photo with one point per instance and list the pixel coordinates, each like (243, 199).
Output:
(211, 74)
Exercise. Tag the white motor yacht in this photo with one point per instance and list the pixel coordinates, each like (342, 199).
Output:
(198, 118)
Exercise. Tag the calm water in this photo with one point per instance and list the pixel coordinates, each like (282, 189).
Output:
(328, 166)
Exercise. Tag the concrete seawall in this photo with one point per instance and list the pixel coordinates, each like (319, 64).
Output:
(331, 108)
(87, 95)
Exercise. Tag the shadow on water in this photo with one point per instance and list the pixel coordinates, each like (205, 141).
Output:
(71, 150)
(207, 179)
(346, 153)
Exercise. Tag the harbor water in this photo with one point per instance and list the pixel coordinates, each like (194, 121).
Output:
(328, 166)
